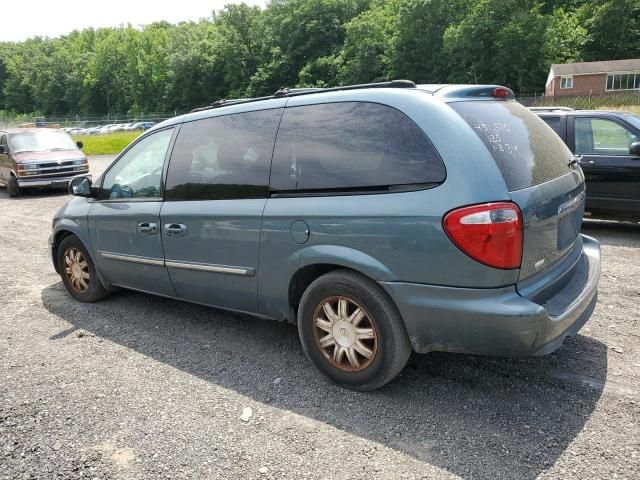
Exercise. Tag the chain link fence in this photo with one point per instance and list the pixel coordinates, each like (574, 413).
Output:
(629, 100)
(83, 121)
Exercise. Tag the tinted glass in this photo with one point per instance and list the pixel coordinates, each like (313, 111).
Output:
(138, 173)
(223, 157)
(553, 122)
(351, 145)
(598, 136)
(633, 119)
(525, 149)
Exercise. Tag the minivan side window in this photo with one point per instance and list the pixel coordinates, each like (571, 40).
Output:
(138, 173)
(351, 146)
(599, 136)
(225, 157)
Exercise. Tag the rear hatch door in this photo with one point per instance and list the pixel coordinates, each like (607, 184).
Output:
(540, 174)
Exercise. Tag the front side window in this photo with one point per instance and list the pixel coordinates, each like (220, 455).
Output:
(598, 136)
(350, 146)
(224, 157)
(566, 81)
(138, 173)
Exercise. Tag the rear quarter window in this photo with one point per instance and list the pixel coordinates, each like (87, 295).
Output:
(526, 150)
(349, 146)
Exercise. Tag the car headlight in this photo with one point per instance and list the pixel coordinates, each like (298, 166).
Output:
(30, 166)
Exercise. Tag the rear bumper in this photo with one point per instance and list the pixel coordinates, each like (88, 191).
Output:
(25, 182)
(497, 321)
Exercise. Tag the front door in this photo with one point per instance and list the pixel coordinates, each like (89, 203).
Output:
(612, 174)
(124, 222)
(217, 186)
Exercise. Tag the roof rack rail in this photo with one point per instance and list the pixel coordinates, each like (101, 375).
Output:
(294, 92)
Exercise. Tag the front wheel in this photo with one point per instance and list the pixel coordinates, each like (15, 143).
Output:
(78, 272)
(13, 188)
(351, 331)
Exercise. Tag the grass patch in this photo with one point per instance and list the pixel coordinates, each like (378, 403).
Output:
(108, 144)
(624, 108)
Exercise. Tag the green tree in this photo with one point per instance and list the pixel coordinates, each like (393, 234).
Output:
(419, 50)
(613, 29)
(368, 51)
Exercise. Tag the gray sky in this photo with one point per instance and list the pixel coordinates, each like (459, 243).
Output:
(22, 19)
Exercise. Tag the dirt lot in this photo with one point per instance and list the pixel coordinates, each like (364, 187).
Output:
(142, 387)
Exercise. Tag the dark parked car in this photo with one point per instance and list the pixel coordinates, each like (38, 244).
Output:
(39, 157)
(606, 144)
(381, 218)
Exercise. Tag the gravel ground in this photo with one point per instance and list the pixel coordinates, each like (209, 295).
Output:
(143, 387)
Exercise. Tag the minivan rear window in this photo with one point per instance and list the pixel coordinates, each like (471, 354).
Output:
(350, 146)
(526, 150)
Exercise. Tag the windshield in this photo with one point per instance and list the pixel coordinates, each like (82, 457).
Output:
(40, 141)
(526, 150)
(633, 120)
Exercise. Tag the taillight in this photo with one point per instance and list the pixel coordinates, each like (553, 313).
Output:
(502, 92)
(490, 233)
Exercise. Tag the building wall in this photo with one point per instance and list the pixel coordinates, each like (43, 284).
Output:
(594, 84)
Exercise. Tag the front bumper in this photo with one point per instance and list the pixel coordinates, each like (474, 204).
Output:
(26, 182)
(498, 321)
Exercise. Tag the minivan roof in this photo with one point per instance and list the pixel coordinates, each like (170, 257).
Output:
(439, 90)
(446, 92)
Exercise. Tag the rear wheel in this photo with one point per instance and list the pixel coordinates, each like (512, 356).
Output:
(351, 331)
(13, 188)
(78, 272)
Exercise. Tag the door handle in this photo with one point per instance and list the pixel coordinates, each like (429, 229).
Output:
(580, 159)
(175, 229)
(148, 228)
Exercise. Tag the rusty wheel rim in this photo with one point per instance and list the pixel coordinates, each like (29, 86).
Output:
(76, 269)
(345, 333)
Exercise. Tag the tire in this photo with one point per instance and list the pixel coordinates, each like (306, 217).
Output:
(390, 343)
(75, 265)
(12, 187)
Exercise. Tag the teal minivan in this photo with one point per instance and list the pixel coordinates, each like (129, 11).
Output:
(382, 219)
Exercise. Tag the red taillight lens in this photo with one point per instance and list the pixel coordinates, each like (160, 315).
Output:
(490, 233)
(501, 92)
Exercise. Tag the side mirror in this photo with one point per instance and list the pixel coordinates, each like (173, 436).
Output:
(2, 150)
(635, 149)
(80, 144)
(80, 187)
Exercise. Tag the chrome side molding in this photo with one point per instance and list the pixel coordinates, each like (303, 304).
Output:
(132, 258)
(202, 267)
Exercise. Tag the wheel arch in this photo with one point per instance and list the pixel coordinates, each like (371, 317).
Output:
(319, 260)
(65, 231)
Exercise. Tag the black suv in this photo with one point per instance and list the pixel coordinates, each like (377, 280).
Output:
(606, 144)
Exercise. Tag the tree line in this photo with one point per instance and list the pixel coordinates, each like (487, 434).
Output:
(247, 51)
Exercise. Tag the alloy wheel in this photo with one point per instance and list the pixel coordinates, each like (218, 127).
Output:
(345, 333)
(76, 268)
